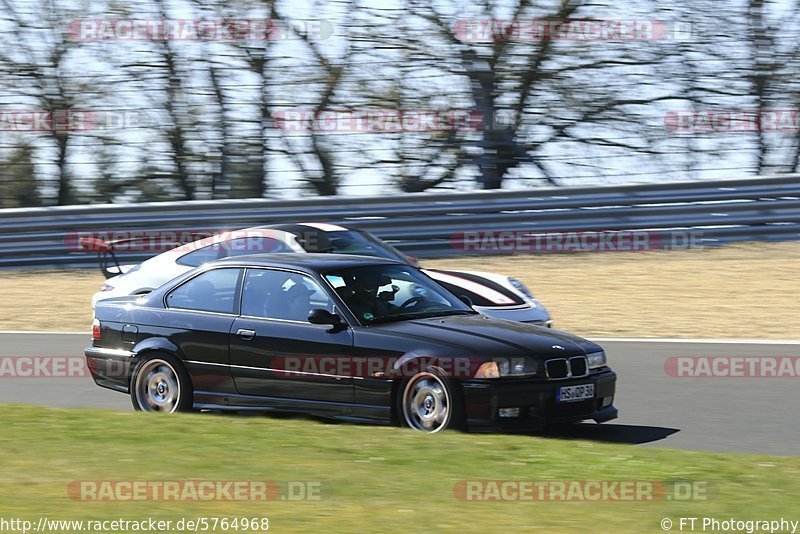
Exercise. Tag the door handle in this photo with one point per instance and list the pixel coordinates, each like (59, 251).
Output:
(246, 334)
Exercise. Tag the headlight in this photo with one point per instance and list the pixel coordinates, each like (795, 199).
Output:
(596, 359)
(488, 370)
(503, 366)
(500, 367)
(519, 286)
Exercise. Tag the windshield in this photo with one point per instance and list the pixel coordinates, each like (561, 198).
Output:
(353, 242)
(386, 293)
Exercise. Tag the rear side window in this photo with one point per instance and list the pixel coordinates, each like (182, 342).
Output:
(282, 295)
(212, 291)
(235, 247)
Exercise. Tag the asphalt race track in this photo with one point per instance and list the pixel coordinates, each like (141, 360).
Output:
(753, 415)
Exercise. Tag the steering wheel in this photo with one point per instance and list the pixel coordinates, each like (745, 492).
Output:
(411, 302)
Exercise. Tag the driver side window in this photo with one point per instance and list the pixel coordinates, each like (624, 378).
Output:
(389, 292)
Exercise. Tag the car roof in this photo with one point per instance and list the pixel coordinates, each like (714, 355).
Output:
(302, 227)
(310, 262)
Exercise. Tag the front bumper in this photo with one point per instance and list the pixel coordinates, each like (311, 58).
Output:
(536, 400)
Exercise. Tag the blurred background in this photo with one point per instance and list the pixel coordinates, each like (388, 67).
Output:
(106, 101)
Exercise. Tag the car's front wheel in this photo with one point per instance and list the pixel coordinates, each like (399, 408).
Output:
(160, 384)
(430, 403)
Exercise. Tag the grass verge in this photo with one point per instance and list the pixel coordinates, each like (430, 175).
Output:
(373, 478)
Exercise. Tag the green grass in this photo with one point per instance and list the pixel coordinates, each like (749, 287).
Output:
(373, 478)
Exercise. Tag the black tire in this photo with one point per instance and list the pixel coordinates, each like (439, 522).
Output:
(159, 383)
(430, 402)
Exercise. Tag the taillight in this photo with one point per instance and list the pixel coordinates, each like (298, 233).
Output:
(97, 331)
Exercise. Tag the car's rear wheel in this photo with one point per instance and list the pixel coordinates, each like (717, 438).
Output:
(430, 402)
(160, 384)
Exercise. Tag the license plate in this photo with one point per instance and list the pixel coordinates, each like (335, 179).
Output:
(575, 393)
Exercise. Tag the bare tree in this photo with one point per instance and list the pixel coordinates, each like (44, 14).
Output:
(37, 52)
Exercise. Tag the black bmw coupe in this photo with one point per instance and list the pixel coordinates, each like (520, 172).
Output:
(347, 337)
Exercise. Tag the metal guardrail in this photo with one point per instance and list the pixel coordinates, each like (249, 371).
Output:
(427, 224)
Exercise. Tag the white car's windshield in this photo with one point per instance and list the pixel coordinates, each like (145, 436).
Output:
(350, 242)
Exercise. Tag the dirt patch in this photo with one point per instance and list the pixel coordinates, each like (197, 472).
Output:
(745, 291)
(48, 300)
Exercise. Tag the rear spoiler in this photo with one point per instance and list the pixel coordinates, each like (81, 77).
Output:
(106, 250)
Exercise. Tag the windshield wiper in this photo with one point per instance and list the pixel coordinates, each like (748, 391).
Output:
(456, 312)
(420, 315)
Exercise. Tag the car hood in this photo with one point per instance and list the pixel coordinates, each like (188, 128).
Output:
(487, 336)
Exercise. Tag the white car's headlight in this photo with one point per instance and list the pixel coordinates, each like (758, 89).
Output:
(596, 360)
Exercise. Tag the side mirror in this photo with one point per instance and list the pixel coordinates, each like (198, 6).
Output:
(466, 300)
(320, 316)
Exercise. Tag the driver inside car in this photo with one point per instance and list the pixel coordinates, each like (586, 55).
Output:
(298, 301)
(367, 299)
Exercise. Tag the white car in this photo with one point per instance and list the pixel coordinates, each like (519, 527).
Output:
(492, 294)
(495, 295)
